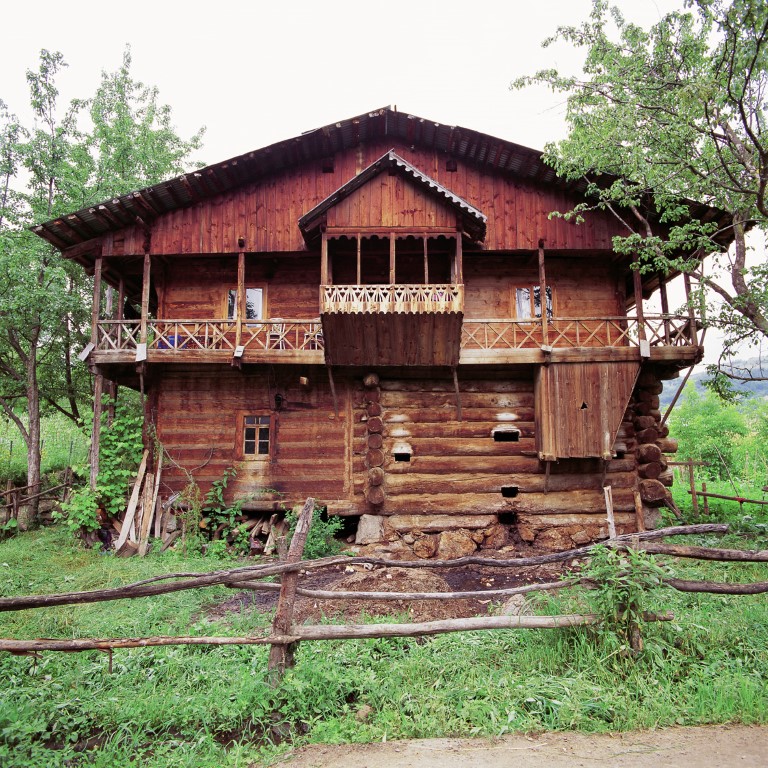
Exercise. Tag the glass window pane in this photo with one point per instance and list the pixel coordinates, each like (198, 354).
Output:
(231, 304)
(253, 304)
(523, 301)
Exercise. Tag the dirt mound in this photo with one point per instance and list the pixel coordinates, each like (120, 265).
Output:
(389, 580)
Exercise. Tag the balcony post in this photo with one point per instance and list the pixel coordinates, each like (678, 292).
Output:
(240, 298)
(392, 242)
(664, 308)
(543, 297)
(426, 260)
(324, 259)
(458, 276)
(145, 298)
(96, 308)
(692, 332)
(638, 286)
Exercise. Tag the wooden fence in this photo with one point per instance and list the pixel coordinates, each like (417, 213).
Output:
(13, 499)
(285, 634)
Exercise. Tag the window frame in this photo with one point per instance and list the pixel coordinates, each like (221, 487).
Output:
(252, 287)
(532, 288)
(242, 426)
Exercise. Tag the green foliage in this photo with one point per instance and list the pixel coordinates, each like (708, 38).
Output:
(221, 524)
(624, 580)
(119, 456)
(664, 116)
(321, 538)
(205, 707)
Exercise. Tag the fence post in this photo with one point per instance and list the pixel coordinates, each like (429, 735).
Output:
(694, 497)
(706, 498)
(281, 655)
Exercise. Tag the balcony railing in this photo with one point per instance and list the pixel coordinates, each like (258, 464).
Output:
(388, 299)
(573, 332)
(210, 335)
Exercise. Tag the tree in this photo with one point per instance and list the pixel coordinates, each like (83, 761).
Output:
(52, 168)
(670, 115)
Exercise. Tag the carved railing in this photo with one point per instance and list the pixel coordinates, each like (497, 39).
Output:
(572, 332)
(389, 299)
(214, 335)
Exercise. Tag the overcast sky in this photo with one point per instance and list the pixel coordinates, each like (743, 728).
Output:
(255, 73)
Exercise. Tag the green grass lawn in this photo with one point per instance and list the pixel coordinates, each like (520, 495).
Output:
(212, 706)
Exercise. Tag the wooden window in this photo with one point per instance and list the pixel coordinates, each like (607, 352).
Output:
(528, 302)
(256, 436)
(254, 303)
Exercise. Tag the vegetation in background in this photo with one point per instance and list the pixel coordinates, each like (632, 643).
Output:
(203, 706)
(120, 452)
(321, 538)
(69, 158)
(663, 116)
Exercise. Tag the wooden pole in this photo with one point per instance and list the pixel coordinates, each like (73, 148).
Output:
(693, 334)
(609, 510)
(458, 277)
(96, 308)
(639, 512)
(706, 498)
(281, 655)
(145, 298)
(664, 308)
(637, 282)
(458, 392)
(543, 297)
(93, 456)
(426, 260)
(392, 272)
(240, 298)
(692, 481)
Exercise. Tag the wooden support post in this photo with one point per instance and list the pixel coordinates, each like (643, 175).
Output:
(706, 498)
(93, 457)
(392, 244)
(637, 282)
(458, 392)
(692, 481)
(664, 309)
(96, 308)
(609, 511)
(426, 260)
(693, 334)
(359, 273)
(240, 300)
(145, 298)
(547, 469)
(543, 297)
(324, 260)
(458, 276)
(639, 511)
(281, 655)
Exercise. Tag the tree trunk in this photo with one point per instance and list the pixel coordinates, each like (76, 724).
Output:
(33, 441)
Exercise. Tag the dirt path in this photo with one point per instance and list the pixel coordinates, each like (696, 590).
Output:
(721, 746)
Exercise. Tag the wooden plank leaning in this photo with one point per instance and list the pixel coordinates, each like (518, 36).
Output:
(131, 511)
(281, 655)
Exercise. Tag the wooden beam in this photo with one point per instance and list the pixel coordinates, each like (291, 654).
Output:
(324, 260)
(145, 298)
(457, 391)
(637, 283)
(664, 307)
(691, 313)
(95, 309)
(359, 259)
(426, 259)
(392, 243)
(459, 259)
(240, 308)
(543, 296)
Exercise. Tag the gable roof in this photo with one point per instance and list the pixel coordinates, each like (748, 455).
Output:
(474, 220)
(478, 149)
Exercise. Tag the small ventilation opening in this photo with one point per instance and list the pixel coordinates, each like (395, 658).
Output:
(506, 435)
(620, 454)
(348, 530)
(508, 518)
(583, 406)
(402, 456)
(509, 491)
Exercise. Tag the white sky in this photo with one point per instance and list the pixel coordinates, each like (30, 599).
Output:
(255, 73)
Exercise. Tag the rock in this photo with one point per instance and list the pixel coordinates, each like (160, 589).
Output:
(370, 529)
(409, 538)
(580, 537)
(513, 606)
(496, 537)
(425, 547)
(455, 544)
(526, 533)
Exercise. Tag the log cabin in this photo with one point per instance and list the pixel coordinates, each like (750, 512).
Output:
(381, 313)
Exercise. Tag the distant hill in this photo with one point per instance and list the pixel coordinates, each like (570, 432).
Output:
(749, 388)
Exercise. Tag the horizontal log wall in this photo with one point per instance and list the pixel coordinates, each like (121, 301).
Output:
(457, 470)
(266, 212)
(197, 423)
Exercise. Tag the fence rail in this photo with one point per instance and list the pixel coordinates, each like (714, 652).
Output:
(409, 299)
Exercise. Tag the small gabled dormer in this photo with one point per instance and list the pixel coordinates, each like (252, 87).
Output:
(391, 288)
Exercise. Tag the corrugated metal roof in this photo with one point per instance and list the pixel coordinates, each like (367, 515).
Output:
(474, 219)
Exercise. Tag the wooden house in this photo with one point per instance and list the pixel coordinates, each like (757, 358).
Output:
(382, 314)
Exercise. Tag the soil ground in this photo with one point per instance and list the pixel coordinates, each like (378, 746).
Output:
(722, 746)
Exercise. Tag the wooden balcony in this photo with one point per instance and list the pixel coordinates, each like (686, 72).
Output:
(211, 341)
(431, 332)
(668, 338)
(392, 324)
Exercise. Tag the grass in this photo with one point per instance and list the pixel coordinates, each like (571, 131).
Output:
(205, 707)
(63, 445)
